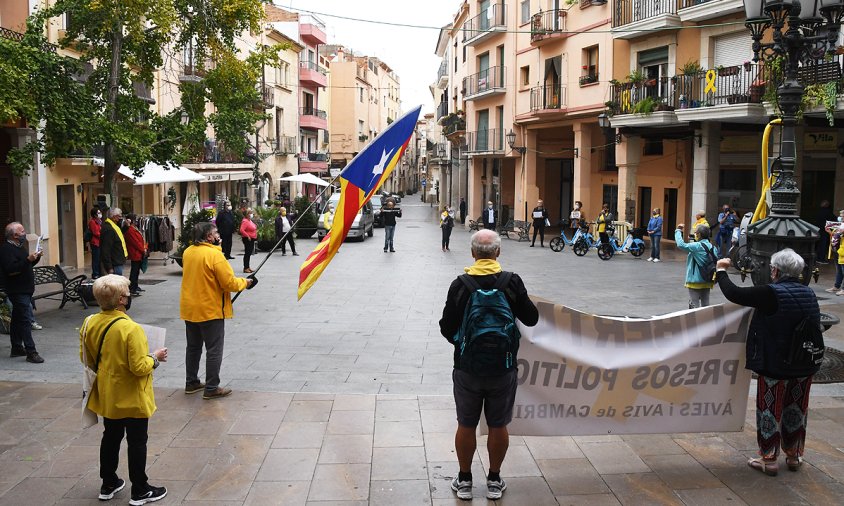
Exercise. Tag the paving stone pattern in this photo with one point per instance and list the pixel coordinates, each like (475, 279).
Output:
(345, 397)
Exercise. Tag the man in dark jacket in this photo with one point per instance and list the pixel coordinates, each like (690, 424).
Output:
(18, 281)
(113, 251)
(539, 215)
(463, 208)
(496, 394)
(782, 393)
(488, 216)
(389, 214)
(225, 225)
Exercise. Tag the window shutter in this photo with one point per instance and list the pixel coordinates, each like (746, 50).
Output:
(733, 49)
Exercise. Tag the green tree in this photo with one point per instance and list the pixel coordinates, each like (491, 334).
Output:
(125, 42)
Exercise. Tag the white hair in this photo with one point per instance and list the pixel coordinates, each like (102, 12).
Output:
(788, 262)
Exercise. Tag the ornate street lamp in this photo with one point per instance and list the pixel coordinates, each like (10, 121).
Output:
(800, 37)
(511, 141)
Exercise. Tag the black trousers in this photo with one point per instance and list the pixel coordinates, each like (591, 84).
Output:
(226, 243)
(539, 228)
(446, 236)
(134, 274)
(248, 247)
(288, 240)
(136, 439)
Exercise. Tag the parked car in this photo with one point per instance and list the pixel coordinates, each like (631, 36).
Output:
(377, 204)
(363, 226)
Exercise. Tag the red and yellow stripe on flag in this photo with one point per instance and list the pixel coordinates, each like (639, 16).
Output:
(358, 182)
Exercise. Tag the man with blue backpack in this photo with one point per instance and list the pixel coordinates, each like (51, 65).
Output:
(479, 319)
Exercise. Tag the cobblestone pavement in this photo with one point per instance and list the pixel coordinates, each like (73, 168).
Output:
(345, 396)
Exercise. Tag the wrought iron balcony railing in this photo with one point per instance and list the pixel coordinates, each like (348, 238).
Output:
(495, 16)
(645, 97)
(5, 33)
(443, 70)
(442, 109)
(312, 65)
(546, 23)
(487, 80)
(285, 145)
(552, 96)
(310, 111)
(485, 141)
(630, 11)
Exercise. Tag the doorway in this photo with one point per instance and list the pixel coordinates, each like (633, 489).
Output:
(66, 208)
(644, 215)
(816, 186)
(669, 209)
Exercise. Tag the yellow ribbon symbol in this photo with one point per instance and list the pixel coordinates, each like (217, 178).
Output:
(625, 100)
(710, 82)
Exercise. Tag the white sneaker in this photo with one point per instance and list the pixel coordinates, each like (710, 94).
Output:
(650, 259)
(832, 290)
(36, 326)
(839, 292)
(657, 260)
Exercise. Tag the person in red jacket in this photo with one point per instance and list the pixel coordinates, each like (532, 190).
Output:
(137, 249)
(249, 234)
(94, 225)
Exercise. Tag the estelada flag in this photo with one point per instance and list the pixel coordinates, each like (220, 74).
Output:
(358, 182)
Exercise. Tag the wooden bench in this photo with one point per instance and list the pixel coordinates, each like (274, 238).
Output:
(476, 224)
(68, 287)
(518, 227)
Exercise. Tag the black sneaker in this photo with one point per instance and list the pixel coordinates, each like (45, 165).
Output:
(34, 358)
(151, 495)
(18, 351)
(107, 492)
(192, 388)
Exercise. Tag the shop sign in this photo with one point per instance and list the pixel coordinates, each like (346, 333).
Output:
(216, 177)
(820, 141)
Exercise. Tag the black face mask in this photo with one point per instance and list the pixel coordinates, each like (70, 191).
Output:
(216, 242)
(128, 303)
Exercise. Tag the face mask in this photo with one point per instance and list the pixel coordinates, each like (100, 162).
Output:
(489, 207)
(99, 215)
(655, 213)
(22, 239)
(216, 242)
(251, 216)
(840, 218)
(128, 303)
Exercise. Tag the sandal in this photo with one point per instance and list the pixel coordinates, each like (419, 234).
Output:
(794, 463)
(771, 468)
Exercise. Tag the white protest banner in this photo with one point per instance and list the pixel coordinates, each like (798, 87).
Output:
(582, 374)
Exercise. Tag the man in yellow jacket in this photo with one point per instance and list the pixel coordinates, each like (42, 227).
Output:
(205, 303)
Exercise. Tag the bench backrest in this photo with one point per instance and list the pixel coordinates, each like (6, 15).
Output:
(47, 274)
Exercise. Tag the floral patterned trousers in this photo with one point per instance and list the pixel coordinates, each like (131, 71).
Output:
(781, 415)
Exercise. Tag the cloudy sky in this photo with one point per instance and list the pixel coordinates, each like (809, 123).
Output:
(409, 51)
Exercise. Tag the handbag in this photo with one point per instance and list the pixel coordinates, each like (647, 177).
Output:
(89, 375)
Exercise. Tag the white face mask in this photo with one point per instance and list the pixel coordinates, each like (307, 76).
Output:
(99, 215)
(489, 207)
(251, 216)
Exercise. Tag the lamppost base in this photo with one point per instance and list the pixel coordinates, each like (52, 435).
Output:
(776, 233)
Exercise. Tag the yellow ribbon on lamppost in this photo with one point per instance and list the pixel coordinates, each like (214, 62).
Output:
(710, 82)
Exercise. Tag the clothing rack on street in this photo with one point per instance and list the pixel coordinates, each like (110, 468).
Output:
(159, 233)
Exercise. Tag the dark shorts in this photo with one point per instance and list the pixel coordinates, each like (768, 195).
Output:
(495, 395)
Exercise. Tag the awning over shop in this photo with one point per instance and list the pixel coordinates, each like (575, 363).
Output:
(236, 175)
(154, 173)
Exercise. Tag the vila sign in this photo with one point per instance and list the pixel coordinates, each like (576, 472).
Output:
(582, 374)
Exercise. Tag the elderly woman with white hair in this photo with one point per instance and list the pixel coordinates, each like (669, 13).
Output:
(116, 348)
(782, 394)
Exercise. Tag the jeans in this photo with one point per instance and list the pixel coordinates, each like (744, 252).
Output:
(212, 334)
(134, 274)
(698, 297)
(655, 238)
(20, 329)
(248, 246)
(136, 441)
(725, 240)
(117, 269)
(95, 261)
(839, 275)
(389, 233)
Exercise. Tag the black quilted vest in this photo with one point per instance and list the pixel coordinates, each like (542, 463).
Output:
(770, 335)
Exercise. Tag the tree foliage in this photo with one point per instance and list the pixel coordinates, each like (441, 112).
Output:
(125, 42)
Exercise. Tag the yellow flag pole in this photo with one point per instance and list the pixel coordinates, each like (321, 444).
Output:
(767, 179)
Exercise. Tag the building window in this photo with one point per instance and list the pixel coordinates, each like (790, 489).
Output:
(652, 147)
(589, 67)
(360, 127)
(525, 11)
(610, 196)
(282, 73)
(524, 74)
(654, 66)
(360, 93)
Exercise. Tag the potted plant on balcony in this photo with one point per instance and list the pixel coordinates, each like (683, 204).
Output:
(646, 106)
(636, 77)
(691, 68)
(588, 79)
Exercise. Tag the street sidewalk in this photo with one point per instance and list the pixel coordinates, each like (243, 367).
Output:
(345, 396)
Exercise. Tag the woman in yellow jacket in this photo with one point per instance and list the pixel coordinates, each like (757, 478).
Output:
(116, 347)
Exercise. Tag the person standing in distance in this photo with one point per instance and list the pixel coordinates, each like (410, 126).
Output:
(18, 281)
(249, 235)
(700, 250)
(390, 213)
(463, 208)
(540, 216)
(113, 251)
(496, 394)
(283, 226)
(488, 217)
(446, 224)
(655, 231)
(225, 224)
(604, 220)
(727, 221)
(205, 304)
(94, 227)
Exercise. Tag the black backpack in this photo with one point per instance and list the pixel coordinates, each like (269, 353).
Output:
(708, 268)
(488, 337)
(804, 355)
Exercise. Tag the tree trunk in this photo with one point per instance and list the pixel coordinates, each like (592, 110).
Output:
(111, 165)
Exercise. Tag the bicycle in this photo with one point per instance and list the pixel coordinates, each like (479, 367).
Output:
(586, 240)
(633, 243)
(558, 244)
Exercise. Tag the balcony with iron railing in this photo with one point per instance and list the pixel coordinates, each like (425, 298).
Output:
(312, 74)
(633, 18)
(442, 109)
(285, 145)
(485, 141)
(487, 24)
(548, 99)
(313, 162)
(639, 103)
(5, 33)
(267, 96)
(485, 83)
(214, 152)
(702, 10)
(313, 119)
(143, 92)
(442, 75)
(548, 26)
